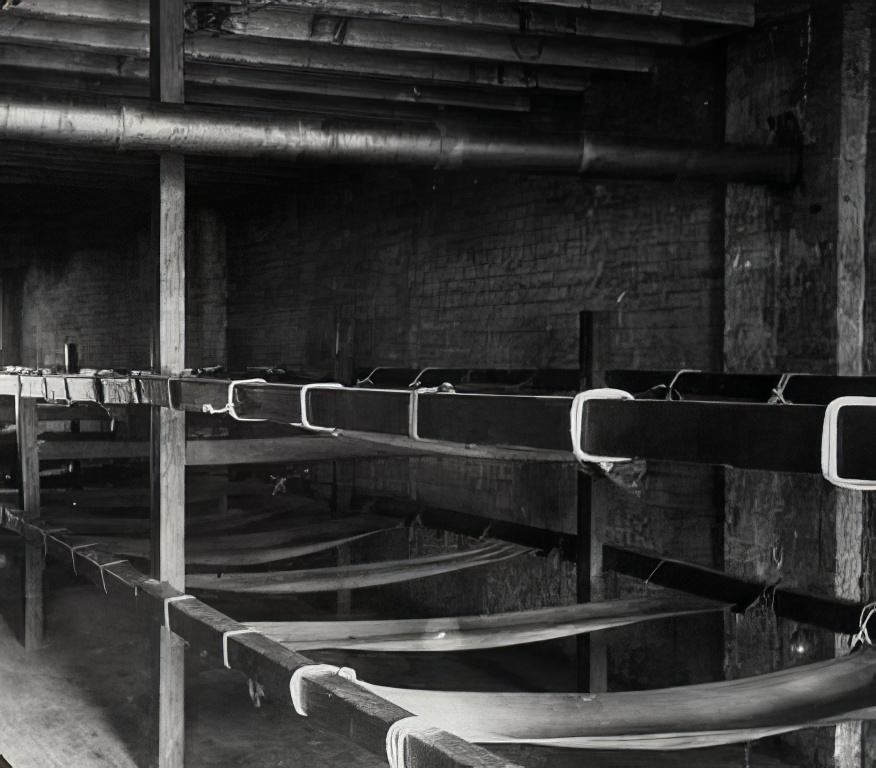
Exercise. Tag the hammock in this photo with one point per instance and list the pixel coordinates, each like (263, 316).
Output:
(459, 633)
(671, 718)
(217, 552)
(354, 576)
(217, 521)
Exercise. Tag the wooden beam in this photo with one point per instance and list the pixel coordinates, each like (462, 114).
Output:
(168, 435)
(290, 55)
(29, 499)
(457, 42)
(831, 613)
(850, 579)
(117, 75)
(592, 653)
(465, 14)
(337, 705)
(730, 12)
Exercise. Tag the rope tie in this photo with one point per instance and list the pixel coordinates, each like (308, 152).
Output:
(167, 602)
(232, 633)
(73, 552)
(296, 683)
(651, 575)
(230, 408)
(92, 557)
(47, 532)
(778, 392)
(367, 379)
(863, 634)
(397, 740)
(671, 388)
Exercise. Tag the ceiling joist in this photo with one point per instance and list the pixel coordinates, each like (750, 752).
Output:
(289, 56)
(737, 13)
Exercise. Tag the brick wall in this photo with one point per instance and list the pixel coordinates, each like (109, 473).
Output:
(492, 270)
(84, 275)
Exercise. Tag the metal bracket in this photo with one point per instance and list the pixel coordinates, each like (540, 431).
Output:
(576, 415)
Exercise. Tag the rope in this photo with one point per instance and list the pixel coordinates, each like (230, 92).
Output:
(230, 408)
(92, 557)
(232, 633)
(651, 575)
(167, 602)
(863, 634)
(296, 682)
(778, 392)
(73, 552)
(671, 388)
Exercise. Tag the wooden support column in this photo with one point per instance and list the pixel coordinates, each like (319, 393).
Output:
(27, 427)
(343, 472)
(854, 122)
(592, 659)
(168, 426)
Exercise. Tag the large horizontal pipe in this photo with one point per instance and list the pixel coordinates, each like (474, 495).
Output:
(133, 126)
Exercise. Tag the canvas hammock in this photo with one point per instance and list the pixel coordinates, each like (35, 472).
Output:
(459, 633)
(671, 718)
(257, 548)
(354, 576)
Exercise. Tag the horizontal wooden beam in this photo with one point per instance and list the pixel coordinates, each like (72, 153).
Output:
(461, 15)
(841, 616)
(295, 55)
(506, 17)
(118, 75)
(334, 703)
(457, 42)
(781, 438)
(739, 13)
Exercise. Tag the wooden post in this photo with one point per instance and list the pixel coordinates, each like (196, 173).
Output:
(592, 660)
(168, 426)
(27, 427)
(343, 472)
(854, 123)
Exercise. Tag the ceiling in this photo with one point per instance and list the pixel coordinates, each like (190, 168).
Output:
(528, 63)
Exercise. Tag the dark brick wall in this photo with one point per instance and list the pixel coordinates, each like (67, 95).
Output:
(83, 274)
(449, 270)
(492, 270)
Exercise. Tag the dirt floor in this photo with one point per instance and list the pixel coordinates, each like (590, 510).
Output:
(83, 701)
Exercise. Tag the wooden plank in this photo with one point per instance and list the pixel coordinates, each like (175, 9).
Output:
(289, 56)
(29, 497)
(831, 613)
(730, 12)
(591, 649)
(850, 581)
(168, 435)
(335, 704)
(457, 42)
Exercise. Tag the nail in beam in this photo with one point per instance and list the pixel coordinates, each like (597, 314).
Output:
(166, 30)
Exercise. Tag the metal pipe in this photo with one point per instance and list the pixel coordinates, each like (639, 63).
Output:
(132, 126)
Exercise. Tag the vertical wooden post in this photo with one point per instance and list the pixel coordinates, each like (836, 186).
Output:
(27, 428)
(343, 472)
(592, 660)
(854, 123)
(168, 426)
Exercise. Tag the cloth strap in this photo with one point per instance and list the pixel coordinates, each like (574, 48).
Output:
(296, 683)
